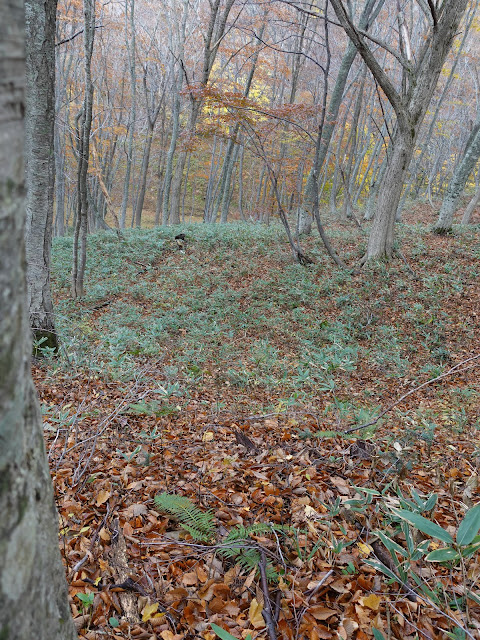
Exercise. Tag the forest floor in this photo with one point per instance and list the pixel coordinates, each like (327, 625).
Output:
(224, 373)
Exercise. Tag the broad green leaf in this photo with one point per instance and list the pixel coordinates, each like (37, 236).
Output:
(473, 596)
(443, 555)
(425, 526)
(114, 622)
(379, 566)
(226, 635)
(431, 502)
(469, 526)
(86, 598)
(372, 492)
(378, 635)
(421, 550)
(470, 549)
(408, 537)
(392, 546)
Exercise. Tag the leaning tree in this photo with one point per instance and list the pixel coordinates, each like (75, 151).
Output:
(410, 95)
(458, 181)
(33, 591)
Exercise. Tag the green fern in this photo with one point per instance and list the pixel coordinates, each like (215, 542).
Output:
(199, 524)
(237, 546)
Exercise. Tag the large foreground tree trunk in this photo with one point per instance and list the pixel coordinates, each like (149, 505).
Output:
(33, 591)
(40, 166)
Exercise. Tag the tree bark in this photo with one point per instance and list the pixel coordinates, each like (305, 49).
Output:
(213, 38)
(471, 207)
(40, 165)
(130, 43)
(381, 238)
(143, 179)
(410, 104)
(83, 137)
(33, 591)
(458, 181)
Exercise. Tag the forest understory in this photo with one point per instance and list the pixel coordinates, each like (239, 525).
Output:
(222, 372)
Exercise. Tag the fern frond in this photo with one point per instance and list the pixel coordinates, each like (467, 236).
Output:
(239, 548)
(199, 524)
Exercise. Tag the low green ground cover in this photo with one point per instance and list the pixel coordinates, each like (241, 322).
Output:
(231, 310)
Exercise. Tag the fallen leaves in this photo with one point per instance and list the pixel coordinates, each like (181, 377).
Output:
(371, 602)
(255, 614)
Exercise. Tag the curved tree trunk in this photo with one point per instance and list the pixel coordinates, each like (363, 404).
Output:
(458, 181)
(40, 165)
(380, 241)
(33, 591)
(410, 104)
(471, 207)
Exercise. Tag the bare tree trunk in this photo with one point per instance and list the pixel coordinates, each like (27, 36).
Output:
(171, 151)
(143, 178)
(160, 169)
(240, 181)
(380, 241)
(418, 162)
(214, 36)
(59, 186)
(410, 104)
(129, 18)
(471, 207)
(33, 590)
(40, 164)
(210, 183)
(458, 181)
(83, 135)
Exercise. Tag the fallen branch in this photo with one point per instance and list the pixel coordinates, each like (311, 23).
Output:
(267, 608)
(453, 370)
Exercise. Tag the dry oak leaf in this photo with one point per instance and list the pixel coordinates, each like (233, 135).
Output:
(255, 614)
(149, 611)
(341, 484)
(102, 497)
(206, 592)
(169, 635)
(104, 535)
(372, 602)
(321, 613)
(271, 424)
(176, 594)
(190, 579)
(347, 629)
(135, 510)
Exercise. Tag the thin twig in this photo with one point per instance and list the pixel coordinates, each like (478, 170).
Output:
(267, 606)
(57, 44)
(317, 587)
(402, 257)
(81, 562)
(453, 370)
